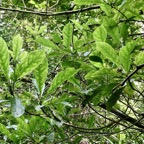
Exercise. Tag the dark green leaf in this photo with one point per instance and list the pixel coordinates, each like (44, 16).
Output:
(114, 98)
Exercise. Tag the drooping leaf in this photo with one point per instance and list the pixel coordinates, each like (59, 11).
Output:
(114, 98)
(100, 34)
(108, 52)
(4, 58)
(40, 74)
(61, 77)
(17, 44)
(87, 2)
(139, 59)
(67, 35)
(125, 55)
(29, 63)
(17, 107)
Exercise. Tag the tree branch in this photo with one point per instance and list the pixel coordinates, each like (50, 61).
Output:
(125, 117)
(48, 14)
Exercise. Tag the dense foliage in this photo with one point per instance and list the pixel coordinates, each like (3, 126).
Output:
(71, 72)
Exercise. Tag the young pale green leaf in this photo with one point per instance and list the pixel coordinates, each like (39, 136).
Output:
(6, 132)
(17, 108)
(108, 52)
(46, 43)
(61, 77)
(114, 98)
(4, 58)
(40, 74)
(139, 59)
(100, 34)
(87, 2)
(67, 35)
(125, 55)
(29, 63)
(106, 8)
(17, 44)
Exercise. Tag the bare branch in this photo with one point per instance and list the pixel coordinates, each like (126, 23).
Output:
(51, 13)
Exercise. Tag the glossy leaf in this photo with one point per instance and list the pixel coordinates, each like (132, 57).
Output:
(17, 44)
(95, 59)
(108, 52)
(61, 77)
(114, 98)
(4, 58)
(31, 62)
(100, 34)
(67, 35)
(40, 74)
(17, 107)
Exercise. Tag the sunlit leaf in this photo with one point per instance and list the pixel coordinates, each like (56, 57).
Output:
(41, 74)
(17, 44)
(125, 55)
(4, 58)
(67, 35)
(32, 61)
(100, 34)
(87, 2)
(139, 59)
(61, 77)
(6, 132)
(108, 52)
(17, 107)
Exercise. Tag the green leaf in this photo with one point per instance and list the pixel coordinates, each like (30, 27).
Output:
(46, 43)
(108, 52)
(31, 62)
(4, 58)
(16, 107)
(139, 59)
(17, 44)
(106, 8)
(40, 74)
(87, 2)
(100, 34)
(67, 35)
(114, 98)
(5, 131)
(125, 55)
(95, 59)
(61, 77)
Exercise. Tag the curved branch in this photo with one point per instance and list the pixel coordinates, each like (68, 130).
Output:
(48, 14)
